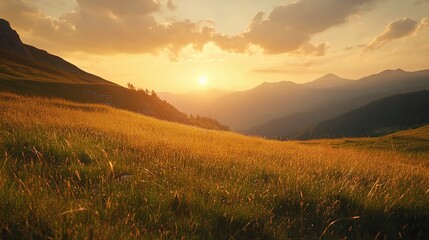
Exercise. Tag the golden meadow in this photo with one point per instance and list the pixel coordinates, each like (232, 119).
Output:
(81, 171)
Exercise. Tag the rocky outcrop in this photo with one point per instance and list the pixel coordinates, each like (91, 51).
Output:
(10, 41)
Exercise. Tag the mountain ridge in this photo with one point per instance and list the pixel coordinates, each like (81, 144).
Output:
(327, 81)
(9, 39)
(348, 97)
(21, 56)
(380, 117)
(58, 62)
(249, 109)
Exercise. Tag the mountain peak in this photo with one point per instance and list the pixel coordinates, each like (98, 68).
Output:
(327, 81)
(386, 75)
(388, 71)
(10, 41)
(275, 85)
(4, 23)
(329, 75)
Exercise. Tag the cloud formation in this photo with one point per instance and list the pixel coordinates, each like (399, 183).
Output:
(421, 1)
(290, 27)
(171, 5)
(106, 26)
(424, 23)
(120, 8)
(128, 26)
(397, 29)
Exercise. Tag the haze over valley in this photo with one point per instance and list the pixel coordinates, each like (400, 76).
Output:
(281, 108)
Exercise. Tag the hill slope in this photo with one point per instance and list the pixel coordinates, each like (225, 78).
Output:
(43, 68)
(76, 171)
(25, 69)
(414, 141)
(9, 39)
(24, 62)
(380, 117)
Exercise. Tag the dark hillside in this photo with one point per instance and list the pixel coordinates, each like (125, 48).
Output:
(391, 114)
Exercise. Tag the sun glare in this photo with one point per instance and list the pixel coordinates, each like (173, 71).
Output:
(202, 80)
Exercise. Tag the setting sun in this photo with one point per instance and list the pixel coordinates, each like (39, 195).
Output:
(202, 80)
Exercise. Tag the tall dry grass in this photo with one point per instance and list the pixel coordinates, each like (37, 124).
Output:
(88, 171)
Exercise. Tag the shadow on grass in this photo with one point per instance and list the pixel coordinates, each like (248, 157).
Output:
(23, 231)
(311, 219)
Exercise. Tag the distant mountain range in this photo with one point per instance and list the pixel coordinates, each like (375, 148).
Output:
(345, 98)
(280, 109)
(25, 69)
(381, 117)
(245, 109)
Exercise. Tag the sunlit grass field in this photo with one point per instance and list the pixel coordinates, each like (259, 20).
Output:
(415, 141)
(93, 172)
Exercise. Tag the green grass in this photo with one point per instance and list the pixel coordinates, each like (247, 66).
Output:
(89, 171)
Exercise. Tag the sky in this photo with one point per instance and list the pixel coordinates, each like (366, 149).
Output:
(188, 45)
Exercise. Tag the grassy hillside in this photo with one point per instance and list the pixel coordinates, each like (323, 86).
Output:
(89, 171)
(30, 71)
(415, 141)
(43, 67)
(50, 76)
(381, 117)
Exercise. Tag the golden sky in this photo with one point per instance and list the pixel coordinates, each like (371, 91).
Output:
(171, 45)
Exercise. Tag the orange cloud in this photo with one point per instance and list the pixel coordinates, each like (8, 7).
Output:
(397, 29)
(128, 26)
(290, 27)
(424, 23)
(106, 26)
(421, 1)
(171, 5)
(123, 7)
